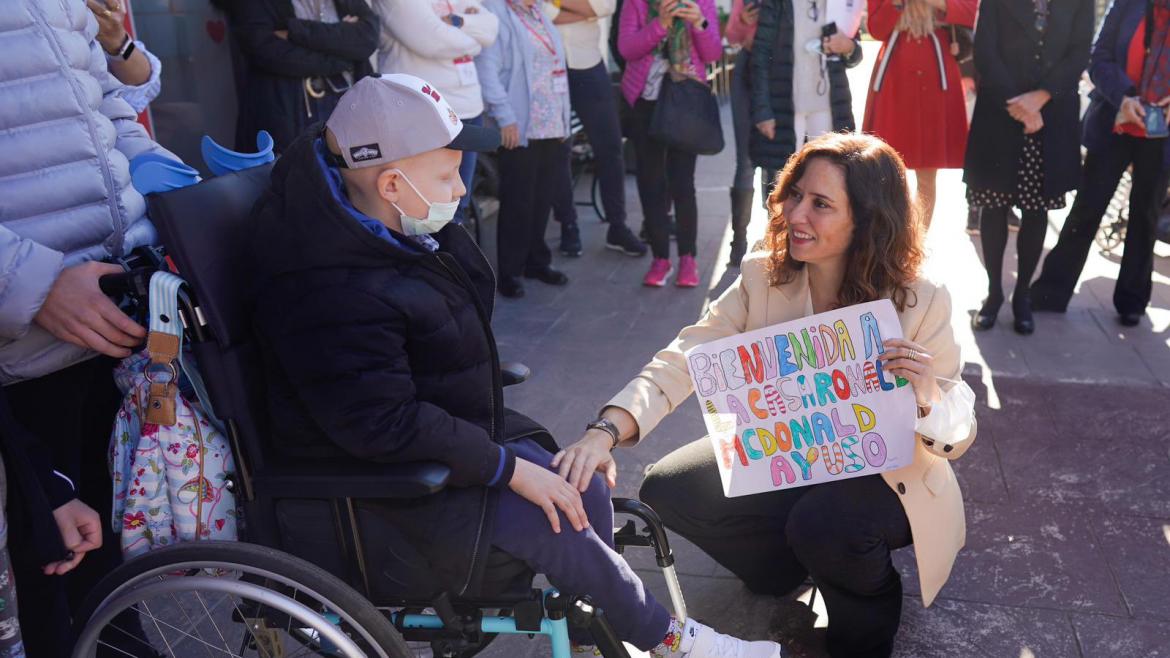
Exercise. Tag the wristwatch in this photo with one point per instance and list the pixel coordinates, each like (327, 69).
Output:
(606, 425)
(124, 51)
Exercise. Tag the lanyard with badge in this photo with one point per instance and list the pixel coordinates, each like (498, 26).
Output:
(560, 78)
(464, 66)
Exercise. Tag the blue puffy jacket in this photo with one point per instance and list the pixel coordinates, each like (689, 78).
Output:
(66, 139)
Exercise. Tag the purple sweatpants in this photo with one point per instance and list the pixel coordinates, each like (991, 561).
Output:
(580, 562)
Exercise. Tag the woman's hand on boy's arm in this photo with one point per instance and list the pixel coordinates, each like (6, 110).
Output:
(589, 455)
(81, 532)
(593, 453)
(549, 492)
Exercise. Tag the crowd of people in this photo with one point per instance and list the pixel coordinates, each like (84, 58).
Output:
(843, 228)
(1021, 149)
(521, 66)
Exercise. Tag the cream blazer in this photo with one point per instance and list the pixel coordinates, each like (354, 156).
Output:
(927, 487)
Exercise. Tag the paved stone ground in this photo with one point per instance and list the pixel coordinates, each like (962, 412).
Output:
(1067, 489)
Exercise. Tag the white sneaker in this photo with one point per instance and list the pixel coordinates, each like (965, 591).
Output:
(700, 641)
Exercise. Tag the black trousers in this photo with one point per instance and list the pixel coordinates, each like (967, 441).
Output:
(72, 412)
(1099, 177)
(528, 181)
(840, 533)
(664, 175)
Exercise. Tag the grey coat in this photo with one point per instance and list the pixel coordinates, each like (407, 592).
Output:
(505, 70)
(66, 139)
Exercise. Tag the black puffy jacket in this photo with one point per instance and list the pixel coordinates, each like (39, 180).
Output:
(272, 76)
(386, 352)
(771, 86)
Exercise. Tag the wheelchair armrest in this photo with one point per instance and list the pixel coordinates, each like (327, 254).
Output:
(351, 479)
(514, 372)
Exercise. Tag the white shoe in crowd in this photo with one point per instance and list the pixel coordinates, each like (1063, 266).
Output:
(701, 641)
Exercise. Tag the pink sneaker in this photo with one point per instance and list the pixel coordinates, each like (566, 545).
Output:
(688, 272)
(660, 270)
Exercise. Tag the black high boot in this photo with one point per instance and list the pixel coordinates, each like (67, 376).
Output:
(741, 215)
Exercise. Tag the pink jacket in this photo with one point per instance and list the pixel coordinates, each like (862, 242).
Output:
(738, 32)
(638, 36)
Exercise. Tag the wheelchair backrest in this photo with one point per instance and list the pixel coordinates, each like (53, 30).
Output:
(205, 230)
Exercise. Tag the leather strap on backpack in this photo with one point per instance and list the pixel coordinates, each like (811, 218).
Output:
(163, 374)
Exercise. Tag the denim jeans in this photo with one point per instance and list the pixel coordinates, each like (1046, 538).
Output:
(591, 94)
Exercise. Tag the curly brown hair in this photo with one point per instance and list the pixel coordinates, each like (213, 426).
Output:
(886, 249)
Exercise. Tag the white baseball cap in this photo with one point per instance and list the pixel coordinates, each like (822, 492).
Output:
(381, 119)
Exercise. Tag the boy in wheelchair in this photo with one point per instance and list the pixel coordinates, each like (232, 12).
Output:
(374, 320)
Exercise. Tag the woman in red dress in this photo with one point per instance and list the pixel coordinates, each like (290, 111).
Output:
(915, 98)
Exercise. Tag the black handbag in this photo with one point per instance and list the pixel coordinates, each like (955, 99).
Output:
(686, 117)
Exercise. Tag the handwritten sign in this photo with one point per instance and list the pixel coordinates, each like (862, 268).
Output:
(805, 402)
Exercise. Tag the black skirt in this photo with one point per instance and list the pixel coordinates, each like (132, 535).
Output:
(1029, 183)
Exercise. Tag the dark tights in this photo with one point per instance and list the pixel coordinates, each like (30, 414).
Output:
(1029, 244)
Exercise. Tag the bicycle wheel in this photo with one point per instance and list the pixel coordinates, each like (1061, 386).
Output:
(233, 599)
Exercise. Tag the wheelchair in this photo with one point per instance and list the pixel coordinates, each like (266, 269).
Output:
(1111, 234)
(1115, 222)
(301, 580)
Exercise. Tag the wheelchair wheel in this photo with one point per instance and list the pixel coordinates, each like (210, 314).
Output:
(595, 197)
(233, 599)
(1113, 224)
(1111, 234)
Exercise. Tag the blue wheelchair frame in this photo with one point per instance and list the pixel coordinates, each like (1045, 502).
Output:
(557, 611)
(556, 629)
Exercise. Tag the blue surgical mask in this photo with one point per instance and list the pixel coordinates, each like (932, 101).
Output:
(438, 214)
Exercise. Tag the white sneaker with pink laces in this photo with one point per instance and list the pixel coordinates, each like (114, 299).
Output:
(660, 271)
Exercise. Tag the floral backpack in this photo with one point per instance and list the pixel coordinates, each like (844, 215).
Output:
(169, 460)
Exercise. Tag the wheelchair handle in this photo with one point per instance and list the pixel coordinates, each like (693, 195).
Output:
(134, 283)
